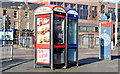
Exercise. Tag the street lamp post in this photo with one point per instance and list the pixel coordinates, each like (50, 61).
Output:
(116, 24)
(19, 21)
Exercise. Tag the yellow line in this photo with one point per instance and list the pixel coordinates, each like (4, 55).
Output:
(5, 60)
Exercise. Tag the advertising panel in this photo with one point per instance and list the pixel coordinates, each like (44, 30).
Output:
(105, 40)
(43, 56)
(43, 31)
(43, 39)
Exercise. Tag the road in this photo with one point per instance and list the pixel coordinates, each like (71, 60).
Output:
(88, 62)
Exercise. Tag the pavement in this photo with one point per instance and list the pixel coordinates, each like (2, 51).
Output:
(23, 61)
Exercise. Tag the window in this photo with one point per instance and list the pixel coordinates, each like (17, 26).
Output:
(102, 8)
(27, 25)
(27, 15)
(93, 12)
(4, 12)
(83, 11)
(118, 15)
(112, 10)
(67, 5)
(83, 29)
(70, 5)
(57, 3)
(15, 14)
(85, 40)
(15, 24)
(96, 41)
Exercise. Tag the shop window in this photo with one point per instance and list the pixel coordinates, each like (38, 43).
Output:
(97, 41)
(85, 40)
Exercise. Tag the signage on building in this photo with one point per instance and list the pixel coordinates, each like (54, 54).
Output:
(105, 40)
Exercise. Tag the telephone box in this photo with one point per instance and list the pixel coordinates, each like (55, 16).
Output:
(50, 35)
(72, 37)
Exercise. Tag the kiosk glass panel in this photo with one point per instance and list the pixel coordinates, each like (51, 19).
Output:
(59, 21)
(72, 31)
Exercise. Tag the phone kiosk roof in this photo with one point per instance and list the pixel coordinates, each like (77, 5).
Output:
(50, 9)
(71, 11)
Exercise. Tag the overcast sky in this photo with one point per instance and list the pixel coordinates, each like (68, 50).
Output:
(36, 0)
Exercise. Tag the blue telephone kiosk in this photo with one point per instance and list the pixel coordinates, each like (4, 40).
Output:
(71, 37)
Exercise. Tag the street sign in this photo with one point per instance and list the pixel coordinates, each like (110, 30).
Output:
(105, 40)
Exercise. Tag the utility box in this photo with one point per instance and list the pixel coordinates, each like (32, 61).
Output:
(50, 35)
(105, 40)
(72, 37)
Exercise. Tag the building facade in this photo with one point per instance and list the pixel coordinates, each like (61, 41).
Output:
(21, 16)
(88, 24)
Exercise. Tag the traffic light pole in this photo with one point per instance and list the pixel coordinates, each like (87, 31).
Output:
(4, 30)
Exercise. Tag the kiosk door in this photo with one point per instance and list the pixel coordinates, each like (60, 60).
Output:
(72, 39)
(59, 38)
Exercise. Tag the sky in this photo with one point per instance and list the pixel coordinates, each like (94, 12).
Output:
(113, 1)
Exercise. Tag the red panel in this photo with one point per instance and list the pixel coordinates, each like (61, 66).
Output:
(106, 24)
(43, 46)
(61, 16)
(59, 46)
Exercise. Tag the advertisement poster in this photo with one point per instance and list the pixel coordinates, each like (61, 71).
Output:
(43, 30)
(43, 56)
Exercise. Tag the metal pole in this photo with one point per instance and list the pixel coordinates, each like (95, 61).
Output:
(52, 54)
(11, 57)
(19, 22)
(4, 30)
(66, 49)
(116, 24)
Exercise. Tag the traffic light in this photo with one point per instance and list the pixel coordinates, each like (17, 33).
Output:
(7, 23)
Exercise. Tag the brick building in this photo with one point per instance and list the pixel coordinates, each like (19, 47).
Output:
(88, 23)
(19, 16)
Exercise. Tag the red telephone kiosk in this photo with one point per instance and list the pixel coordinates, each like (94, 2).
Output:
(49, 22)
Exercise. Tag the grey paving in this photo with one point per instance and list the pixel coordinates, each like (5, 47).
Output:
(88, 62)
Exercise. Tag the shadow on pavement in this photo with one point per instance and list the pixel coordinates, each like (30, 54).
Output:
(115, 57)
(89, 60)
(14, 63)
